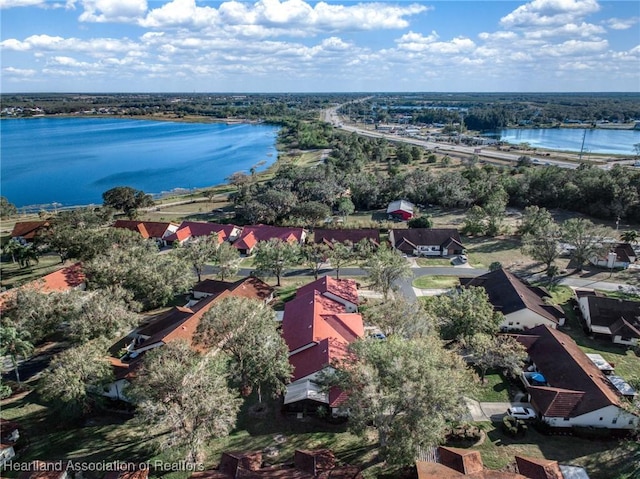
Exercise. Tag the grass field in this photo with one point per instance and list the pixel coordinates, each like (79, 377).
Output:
(13, 275)
(435, 282)
(494, 388)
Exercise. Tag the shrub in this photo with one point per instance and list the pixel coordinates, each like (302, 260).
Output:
(513, 427)
(5, 391)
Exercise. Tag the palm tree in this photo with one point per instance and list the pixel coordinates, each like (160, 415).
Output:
(12, 247)
(630, 236)
(15, 343)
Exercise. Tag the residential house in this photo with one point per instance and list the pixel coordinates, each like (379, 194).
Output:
(523, 306)
(567, 388)
(179, 323)
(617, 319)
(619, 255)
(451, 462)
(427, 241)
(65, 279)
(344, 291)
(252, 235)
(315, 464)
(27, 231)
(401, 209)
(154, 230)
(194, 229)
(318, 326)
(329, 236)
(250, 287)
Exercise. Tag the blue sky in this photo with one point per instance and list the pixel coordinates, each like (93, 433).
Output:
(329, 46)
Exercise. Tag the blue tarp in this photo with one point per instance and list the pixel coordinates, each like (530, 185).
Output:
(539, 378)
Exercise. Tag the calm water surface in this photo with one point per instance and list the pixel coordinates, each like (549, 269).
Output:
(72, 161)
(617, 142)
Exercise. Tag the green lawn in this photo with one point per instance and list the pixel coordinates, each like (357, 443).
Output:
(602, 459)
(484, 251)
(494, 389)
(435, 282)
(626, 363)
(12, 275)
(427, 262)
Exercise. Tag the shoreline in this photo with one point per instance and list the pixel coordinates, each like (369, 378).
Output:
(176, 193)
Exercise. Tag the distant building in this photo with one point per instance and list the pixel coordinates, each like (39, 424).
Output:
(617, 319)
(401, 209)
(427, 241)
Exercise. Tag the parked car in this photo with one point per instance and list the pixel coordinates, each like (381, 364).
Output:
(521, 413)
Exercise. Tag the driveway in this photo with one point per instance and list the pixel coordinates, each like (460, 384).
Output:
(490, 411)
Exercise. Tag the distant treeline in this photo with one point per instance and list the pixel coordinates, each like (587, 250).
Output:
(476, 111)
(605, 194)
(488, 111)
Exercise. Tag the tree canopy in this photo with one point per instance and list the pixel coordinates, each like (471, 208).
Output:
(245, 329)
(408, 390)
(185, 393)
(126, 199)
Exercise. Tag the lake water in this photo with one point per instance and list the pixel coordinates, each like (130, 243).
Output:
(617, 142)
(72, 161)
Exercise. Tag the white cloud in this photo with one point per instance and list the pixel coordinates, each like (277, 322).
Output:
(498, 36)
(180, 13)
(569, 29)
(622, 23)
(92, 46)
(121, 11)
(21, 72)
(21, 3)
(416, 42)
(549, 12)
(572, 48)
(280, 17)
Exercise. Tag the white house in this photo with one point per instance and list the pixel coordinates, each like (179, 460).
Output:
(427, 241)
(523, 306)
(620, 255)
(567, 389)
(617, 319)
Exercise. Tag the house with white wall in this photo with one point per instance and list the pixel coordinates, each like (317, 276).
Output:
(617, 319)
(522, 305)
(574, 391)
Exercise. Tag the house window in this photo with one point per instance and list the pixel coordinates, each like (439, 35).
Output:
(565, 419)
(614, 420)
(630, 421)
(511, 323)
(601, 419)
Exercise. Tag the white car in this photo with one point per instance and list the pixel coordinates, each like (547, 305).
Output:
(521, 413)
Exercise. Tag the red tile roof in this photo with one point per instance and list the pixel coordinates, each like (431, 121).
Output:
(575, 384)
(317, 357)
(148, 229)
(314, 317)
(64, 279)
(266, 232)
(249, 287)
(321, 330)
(318, 464)
(343, 288)
(535, 468)
(28, 229)
(246, 242)
(188, 229)
(181, 323)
